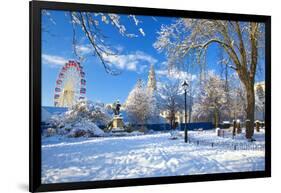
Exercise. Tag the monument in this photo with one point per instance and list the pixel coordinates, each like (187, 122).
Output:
(117, 123)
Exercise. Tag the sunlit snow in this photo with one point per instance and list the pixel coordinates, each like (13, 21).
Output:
(153, 155)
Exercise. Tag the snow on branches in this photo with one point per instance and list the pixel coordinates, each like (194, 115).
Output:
(216, 103)
(211, 100)
(81, 120)
(171, 100)
(142, 105)
(243, 42)
(138, 105)
(90, 24)
(95, 112)
(235, 38)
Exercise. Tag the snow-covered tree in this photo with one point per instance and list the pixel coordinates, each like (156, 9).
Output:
(172, 100)
(138, 104)
(212, 100)
(94, 112)
(81, 120)
(241, 41)
(237, 99)
(260, 98)
(153, 99)
(232, 103)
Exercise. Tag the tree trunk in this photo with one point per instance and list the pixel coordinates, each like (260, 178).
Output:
(250, 109)
(216, 118)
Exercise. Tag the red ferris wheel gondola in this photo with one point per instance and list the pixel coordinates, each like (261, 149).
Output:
(83, 81)
(83, 90)
(82, 74)
(59, 81)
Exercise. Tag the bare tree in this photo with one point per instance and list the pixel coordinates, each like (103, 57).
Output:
(240, 40)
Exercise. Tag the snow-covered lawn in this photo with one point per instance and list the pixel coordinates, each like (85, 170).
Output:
(81, 159)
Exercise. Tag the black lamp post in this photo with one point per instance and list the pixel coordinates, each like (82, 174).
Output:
(185, 85)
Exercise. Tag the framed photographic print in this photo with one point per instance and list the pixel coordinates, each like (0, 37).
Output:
(126, 96)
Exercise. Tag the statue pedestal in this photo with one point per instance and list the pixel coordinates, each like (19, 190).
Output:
(117, 124)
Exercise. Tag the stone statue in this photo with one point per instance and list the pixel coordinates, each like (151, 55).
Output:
(116, 107)
(117, 122)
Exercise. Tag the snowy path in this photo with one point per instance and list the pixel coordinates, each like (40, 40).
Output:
(139, 156)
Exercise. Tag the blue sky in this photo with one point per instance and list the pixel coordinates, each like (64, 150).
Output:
(137, 56)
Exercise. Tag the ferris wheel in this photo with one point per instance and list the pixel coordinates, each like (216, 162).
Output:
(70, 85)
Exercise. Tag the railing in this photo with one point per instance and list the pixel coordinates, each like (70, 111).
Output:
(228, 145)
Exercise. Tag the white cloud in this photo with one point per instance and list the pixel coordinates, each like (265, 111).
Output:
(119, 48)
(83, 49)
(175, 74)
(53, 60)
(136, 61)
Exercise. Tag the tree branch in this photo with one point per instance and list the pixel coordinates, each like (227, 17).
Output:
(241, 43)
(92, 41)
(254, 48)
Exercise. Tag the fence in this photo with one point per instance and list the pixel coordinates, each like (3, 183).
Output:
(228, 145)
(197, 125)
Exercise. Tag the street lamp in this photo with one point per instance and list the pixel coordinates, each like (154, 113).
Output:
(185, 86)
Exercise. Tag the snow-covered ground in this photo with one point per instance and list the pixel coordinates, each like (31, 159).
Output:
(82, 159)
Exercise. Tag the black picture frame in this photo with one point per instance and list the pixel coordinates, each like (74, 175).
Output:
(35, 96)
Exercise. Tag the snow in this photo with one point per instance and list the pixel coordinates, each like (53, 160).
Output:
(87, 127)
(82, 119)
(136, 156)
